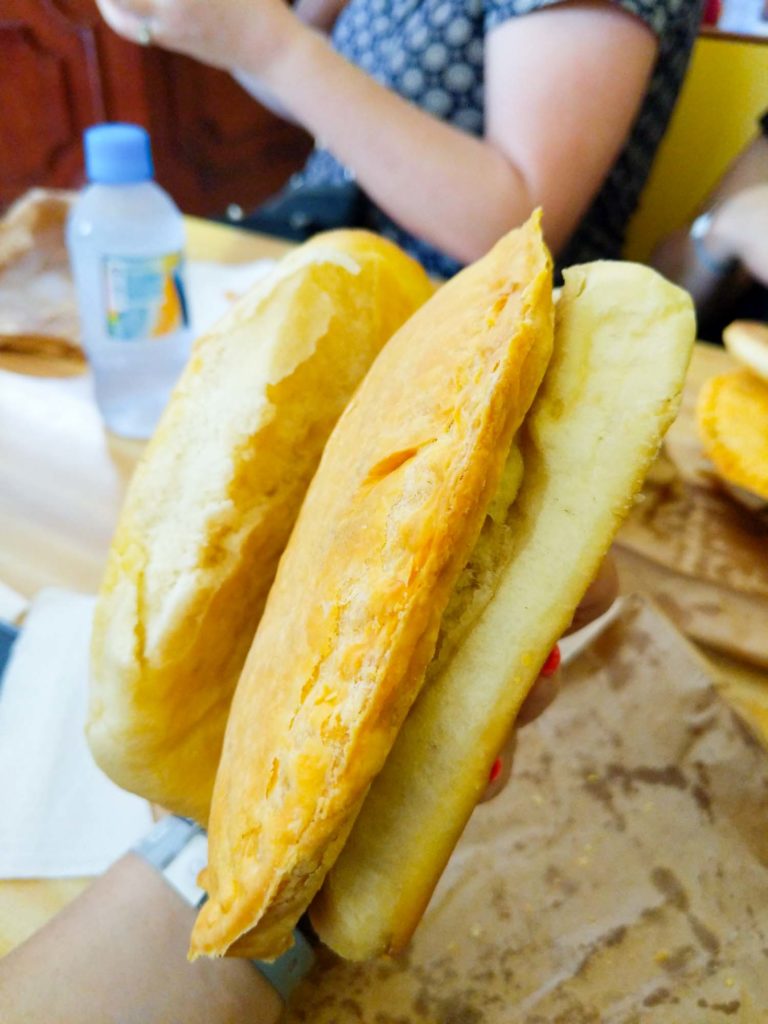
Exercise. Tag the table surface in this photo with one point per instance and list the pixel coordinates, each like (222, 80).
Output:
(62, 480)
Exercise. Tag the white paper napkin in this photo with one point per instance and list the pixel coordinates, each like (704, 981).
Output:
(12, 604)
(60, 816)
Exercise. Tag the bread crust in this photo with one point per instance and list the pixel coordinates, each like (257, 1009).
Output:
(352, 619)
(213, 500)
(732, 413)
(623, 340)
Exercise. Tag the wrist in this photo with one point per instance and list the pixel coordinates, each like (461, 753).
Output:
(287, 40)
(300, 61)
(177, 849)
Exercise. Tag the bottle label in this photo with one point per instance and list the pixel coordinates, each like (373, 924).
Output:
(144, 296)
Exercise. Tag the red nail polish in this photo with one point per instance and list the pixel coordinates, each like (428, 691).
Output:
(552, 664)
(498, 764)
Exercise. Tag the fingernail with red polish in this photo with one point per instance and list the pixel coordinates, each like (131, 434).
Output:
(498, 764)
(552, 664)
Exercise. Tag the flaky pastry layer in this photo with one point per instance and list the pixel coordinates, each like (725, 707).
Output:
(352, 619)
(623, 340)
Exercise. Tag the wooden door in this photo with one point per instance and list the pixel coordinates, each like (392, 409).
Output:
(62, 69)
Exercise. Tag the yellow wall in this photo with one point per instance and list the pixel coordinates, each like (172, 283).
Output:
(724, 93)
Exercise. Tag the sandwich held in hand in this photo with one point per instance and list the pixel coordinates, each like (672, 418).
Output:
(462, 505)
(213, 500)
(623, 338)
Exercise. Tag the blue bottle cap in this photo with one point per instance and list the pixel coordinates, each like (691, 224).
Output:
(118, 154)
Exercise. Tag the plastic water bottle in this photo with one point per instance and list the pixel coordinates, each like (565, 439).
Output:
(126, 245)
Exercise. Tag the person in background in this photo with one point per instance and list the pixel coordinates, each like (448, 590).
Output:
(722, 258)
(456, 118)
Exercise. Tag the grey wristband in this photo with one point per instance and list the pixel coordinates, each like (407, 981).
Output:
(178, 849)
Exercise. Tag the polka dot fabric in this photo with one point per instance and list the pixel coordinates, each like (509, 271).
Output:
(431, 53)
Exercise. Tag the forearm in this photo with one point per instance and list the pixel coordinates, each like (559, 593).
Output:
(256, 91)
(441, 184)
(321, 14)
(118, 953)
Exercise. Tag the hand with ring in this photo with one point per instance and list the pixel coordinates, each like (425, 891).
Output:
(222, 33)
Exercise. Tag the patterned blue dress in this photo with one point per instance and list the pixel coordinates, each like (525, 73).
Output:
(431, 52)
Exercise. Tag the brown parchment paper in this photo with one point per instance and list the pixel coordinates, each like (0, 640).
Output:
(702, 554)
(622, 875)
(704, 559)
(38, 307)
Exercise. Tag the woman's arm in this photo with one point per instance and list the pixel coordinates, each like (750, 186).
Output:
(118, 953)
(563, 129)
(562, 88)
(319, 14)
(550, 137)
(738, 232)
